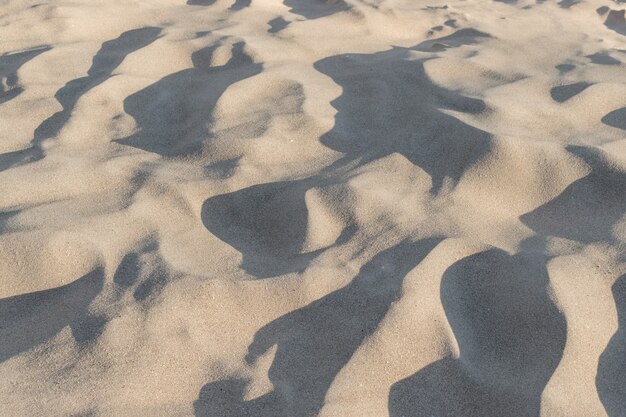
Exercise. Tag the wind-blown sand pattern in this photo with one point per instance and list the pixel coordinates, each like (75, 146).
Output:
(296, 208)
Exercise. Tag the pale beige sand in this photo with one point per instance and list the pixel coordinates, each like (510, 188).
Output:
(301, 208)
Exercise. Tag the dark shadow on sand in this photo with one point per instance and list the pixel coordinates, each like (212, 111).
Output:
(315, 342)
(315, 9)
(29, 320)
(616, 118)
(267, 223)
(566, 4)
(240, 4)
(143, 272)
(9, 66)
(173, 113)
(563, 93)
(389, 105)
(277, 24)
(511, 338)
(586, 211)
(200, 2)
(611, 376)
(603, 58)
(616, 21)
(588, 208)
(109, 57)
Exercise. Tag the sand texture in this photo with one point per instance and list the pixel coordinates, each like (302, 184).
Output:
(298, 208)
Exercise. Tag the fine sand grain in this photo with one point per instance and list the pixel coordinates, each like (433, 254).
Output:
(298, 208)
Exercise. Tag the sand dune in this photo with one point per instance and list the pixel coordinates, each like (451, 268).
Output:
(313, 208)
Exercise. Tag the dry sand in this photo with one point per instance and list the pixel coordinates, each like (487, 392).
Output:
(302, 208)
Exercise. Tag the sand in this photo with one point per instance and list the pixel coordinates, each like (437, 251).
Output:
(302, 208)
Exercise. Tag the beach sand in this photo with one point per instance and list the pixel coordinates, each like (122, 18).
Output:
(297, 208)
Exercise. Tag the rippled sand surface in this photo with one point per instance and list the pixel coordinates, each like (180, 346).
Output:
(300, 208)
